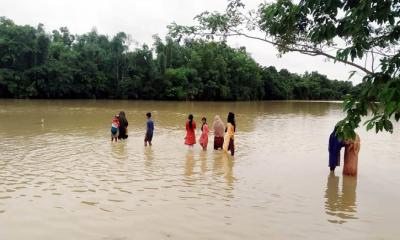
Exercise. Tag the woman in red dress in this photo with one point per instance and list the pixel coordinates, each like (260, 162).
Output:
(190, 138)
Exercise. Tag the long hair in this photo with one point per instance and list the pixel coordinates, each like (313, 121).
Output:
(231, 120)
(190, 121)
(122, 118)
(205, 122)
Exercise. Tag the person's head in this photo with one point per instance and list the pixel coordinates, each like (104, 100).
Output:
(190, 117)
(204, 120)
(121, 116)
(116, 117)
(148, 115)
(231, 119)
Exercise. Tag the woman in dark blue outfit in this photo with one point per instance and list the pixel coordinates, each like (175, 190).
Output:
(335, 145)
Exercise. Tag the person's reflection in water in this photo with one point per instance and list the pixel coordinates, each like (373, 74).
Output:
(203, 160)
(223, 167)
(148, 157)
(341, 205)
(189, 165)
(228, 163)
(118, 150)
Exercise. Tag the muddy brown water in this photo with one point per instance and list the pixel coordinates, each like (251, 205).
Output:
(62, 178)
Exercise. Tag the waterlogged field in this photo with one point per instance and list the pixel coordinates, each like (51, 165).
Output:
(62, 178)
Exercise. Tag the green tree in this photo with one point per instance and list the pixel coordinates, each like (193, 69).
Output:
(36, 64)
(352, 29)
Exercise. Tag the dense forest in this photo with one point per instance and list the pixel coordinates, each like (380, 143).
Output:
(38, 64)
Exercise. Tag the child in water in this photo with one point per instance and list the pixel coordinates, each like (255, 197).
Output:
(149, 130)
(204, 134)
(190, 138)
(114, 128)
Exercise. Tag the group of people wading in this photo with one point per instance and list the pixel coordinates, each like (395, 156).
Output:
(224, 139)
(226, 143)
(119, 130)
(352, 148)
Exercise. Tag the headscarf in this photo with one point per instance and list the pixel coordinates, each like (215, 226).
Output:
(218, 126)
(334, 149)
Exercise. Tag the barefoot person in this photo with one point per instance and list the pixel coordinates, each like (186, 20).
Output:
(334, 147)
(149, 130)
(229, 144)
(204, 134)
(190, 138)
(352, 148)
(218, 128)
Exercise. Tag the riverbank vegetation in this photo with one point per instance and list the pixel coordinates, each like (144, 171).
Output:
(39, 64)
(361, 34)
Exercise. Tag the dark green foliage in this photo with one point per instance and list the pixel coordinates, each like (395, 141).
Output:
(35, 64)
(341, 30)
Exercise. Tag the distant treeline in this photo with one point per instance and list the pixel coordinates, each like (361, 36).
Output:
(38, 64)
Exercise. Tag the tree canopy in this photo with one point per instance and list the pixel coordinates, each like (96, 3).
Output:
(38, 64)
(363, 34)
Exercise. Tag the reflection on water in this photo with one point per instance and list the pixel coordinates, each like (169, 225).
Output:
(190, 163)
(228, 162)
(203, 161)
(66, 180)
(341, 205)
(119, 150)
(148, 156)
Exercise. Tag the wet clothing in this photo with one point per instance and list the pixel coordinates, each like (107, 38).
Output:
(335, 145)
(114, 132)
(150, 126)
(229, 144)
(148, 137)
(218, 127)
(190, 138)
(123, 129)
(149, 130)
(114, 127)
(204, 136)
(218, 142)
(352, 148)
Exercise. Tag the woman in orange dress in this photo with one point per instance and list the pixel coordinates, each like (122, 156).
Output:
(352, 148)
(229, 143)
(190, 138)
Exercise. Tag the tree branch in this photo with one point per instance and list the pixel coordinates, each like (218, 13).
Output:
(312, 52)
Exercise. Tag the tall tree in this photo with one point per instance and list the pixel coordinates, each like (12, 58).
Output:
(353, 29)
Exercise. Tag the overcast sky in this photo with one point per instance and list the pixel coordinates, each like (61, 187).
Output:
(144, 18)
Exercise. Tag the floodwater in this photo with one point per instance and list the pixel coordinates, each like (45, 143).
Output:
(62, 178)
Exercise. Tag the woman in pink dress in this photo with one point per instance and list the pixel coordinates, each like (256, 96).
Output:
(190, 138)
(204, 134)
